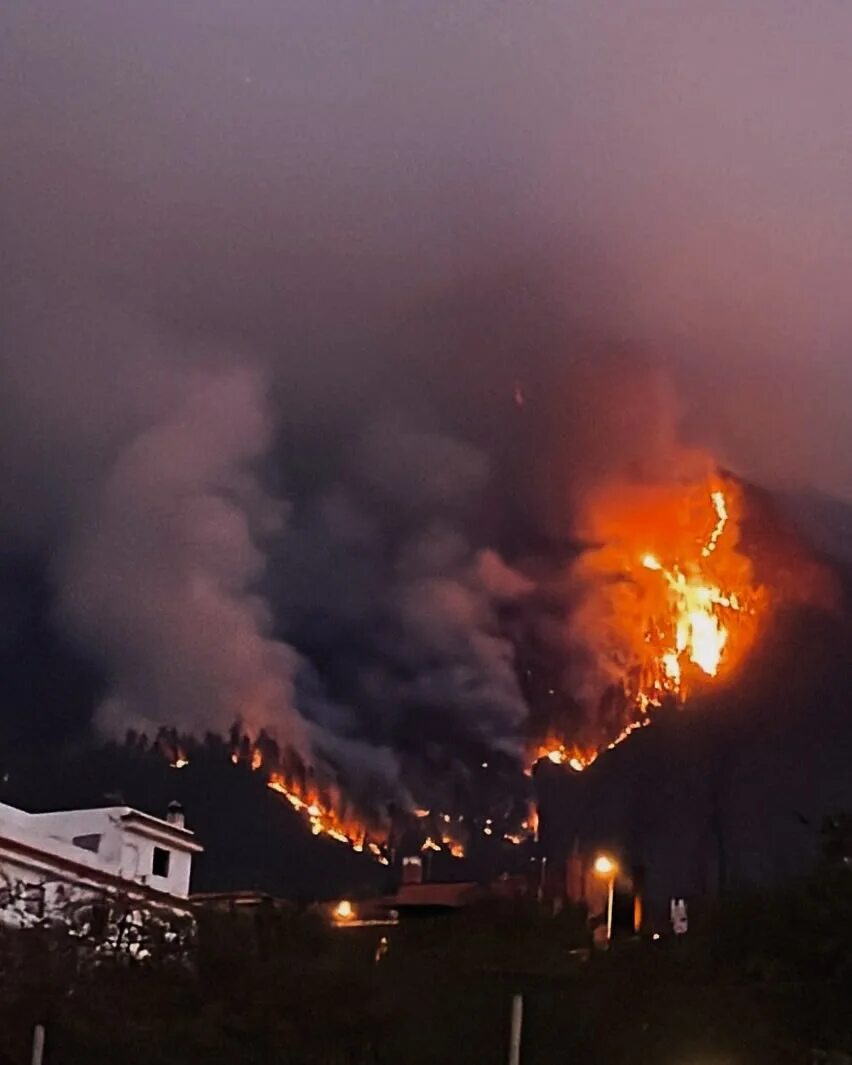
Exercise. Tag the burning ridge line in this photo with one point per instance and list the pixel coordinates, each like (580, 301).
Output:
(695, 627)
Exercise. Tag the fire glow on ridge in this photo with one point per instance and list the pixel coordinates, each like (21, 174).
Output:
(669, 598)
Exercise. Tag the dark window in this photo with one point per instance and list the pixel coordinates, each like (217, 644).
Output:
(160, 864)
(91, 842)
(99, 918)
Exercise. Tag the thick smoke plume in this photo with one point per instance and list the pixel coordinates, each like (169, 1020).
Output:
(321, 321)
(162, 571)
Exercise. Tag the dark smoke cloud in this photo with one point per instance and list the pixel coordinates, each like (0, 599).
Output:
(401, 615)
(271, 275)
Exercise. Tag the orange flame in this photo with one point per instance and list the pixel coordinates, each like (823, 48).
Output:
(455, 848)
(320, 814)
(670, 598)
(324, 820)
(559, 753)
(698, 601)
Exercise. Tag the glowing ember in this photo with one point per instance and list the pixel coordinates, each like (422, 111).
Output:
(180, 761)
(559, 753)
(455, 848)
(721, 506)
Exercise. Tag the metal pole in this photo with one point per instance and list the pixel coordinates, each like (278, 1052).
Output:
(515, 1032)
(609, 901)
(38, 1044)
(541, 878)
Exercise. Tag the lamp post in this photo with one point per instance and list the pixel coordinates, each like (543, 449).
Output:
(607, 868)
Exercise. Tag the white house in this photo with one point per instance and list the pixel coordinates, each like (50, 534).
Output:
(58, 866)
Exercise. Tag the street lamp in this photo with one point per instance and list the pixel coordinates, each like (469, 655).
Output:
(606, 867)
(344, 911)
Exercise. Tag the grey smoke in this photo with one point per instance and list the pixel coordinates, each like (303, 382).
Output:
(378, 578)
(237, 235)
(162, 573)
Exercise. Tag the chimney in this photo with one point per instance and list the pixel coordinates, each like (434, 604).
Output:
(412, 870)
(175, 815)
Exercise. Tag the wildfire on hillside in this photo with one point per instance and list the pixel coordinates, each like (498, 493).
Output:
(319, 811)
(668, 601)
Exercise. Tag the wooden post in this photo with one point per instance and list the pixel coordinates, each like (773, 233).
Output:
(38, 1044)
(515, 1031)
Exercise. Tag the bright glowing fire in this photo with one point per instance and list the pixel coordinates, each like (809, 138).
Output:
(324, 821)
(669, 599)
(696, 591)
(320, 813)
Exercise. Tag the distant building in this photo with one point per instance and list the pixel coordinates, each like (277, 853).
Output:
(433, 899)
(113, 873)
(237, 901)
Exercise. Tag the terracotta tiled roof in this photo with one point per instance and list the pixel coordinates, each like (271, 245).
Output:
(443, 896)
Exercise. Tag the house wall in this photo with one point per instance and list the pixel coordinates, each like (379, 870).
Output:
(65, 825)
(126, 848)
(30, 891)
(137, 863)
(107, 916)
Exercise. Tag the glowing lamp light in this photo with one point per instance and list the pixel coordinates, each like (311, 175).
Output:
(605, 866)
(344, 910)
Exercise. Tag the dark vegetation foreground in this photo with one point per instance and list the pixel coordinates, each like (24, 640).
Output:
(765, 978)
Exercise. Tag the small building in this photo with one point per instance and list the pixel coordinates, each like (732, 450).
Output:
(236, 901)
(434, 899)
(93, 869)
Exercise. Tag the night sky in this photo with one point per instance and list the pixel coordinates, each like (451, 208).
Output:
(320, 318)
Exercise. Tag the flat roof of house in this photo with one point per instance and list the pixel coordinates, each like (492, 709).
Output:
(179, 833)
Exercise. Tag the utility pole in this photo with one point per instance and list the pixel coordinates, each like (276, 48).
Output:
(515, 1030)
(38, 1044)
(542, 879)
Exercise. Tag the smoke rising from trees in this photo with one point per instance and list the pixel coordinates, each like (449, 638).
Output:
(274, 271)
